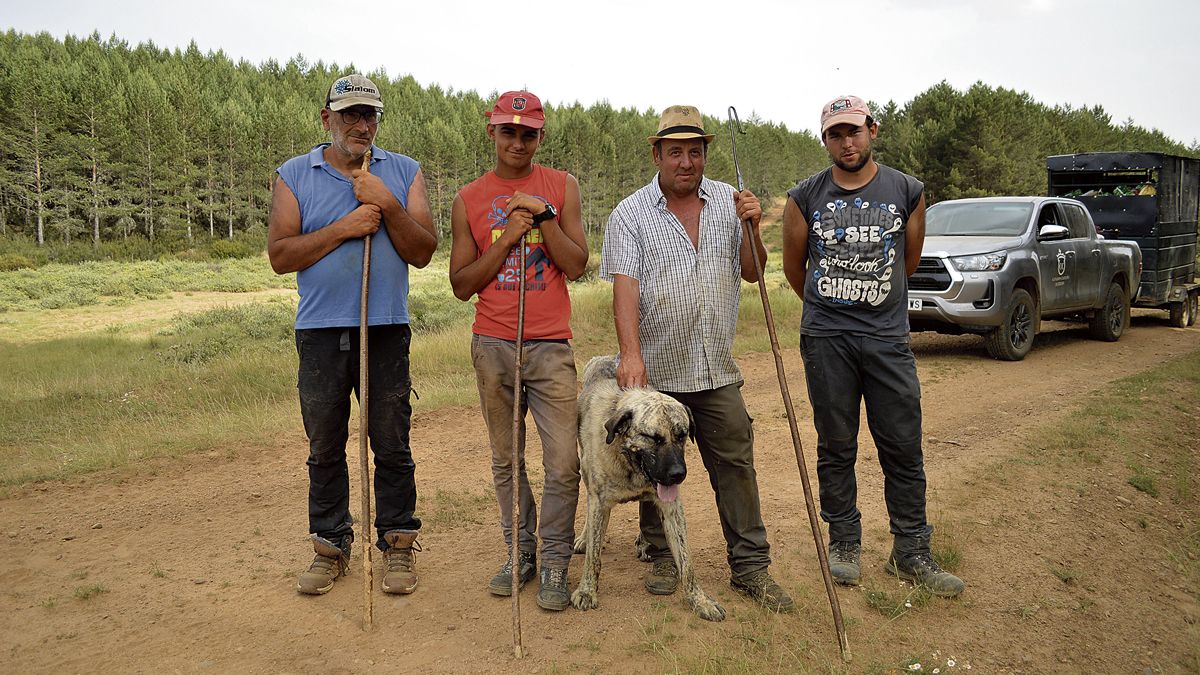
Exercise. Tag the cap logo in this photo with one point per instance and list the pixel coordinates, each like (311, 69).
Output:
(343, 86)
(519, 103)
(839, 105)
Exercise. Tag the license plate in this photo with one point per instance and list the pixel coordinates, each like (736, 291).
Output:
(914, 303)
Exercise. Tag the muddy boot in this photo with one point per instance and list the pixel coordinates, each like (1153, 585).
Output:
(762, 588)
(501, 584)
(400, 561)
(920, 568)
(553, 594)
(331, 562)
(844, 564)
(663, 578)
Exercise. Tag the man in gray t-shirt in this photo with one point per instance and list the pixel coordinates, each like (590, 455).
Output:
(851, 236)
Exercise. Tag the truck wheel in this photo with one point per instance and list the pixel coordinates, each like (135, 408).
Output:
(1193, 308)
(1181, 313)
(1108, 323)
(1013, 339)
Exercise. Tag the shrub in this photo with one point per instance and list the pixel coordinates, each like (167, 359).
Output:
(13, 261)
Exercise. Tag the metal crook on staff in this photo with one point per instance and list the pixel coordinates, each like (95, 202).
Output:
(735, 128)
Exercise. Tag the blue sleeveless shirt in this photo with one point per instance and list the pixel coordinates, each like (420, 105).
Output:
(331, 287)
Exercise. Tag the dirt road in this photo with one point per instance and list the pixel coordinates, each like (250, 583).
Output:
(190, 565)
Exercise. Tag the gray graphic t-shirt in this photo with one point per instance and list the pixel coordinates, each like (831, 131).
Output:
(856, 278)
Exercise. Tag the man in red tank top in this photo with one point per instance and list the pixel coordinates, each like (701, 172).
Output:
(489, 217)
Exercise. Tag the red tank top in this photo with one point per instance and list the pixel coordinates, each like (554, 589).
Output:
(547, 304)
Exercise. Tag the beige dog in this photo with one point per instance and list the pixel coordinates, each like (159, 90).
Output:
(631, 448)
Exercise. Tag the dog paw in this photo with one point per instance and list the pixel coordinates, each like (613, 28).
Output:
(585, 600)
(641, 549)
(706, 608)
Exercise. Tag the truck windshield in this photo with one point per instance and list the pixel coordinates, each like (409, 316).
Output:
(977, 219)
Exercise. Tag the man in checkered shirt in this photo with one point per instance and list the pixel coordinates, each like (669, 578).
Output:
(675, 253)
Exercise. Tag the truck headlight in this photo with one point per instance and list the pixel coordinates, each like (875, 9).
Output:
(986, 262)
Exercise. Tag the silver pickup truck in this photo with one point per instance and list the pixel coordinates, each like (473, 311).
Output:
(996, 266)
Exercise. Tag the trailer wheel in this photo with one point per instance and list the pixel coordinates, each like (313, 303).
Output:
(1108, 324)
(1013, 339)
(1181, 314)
(1193, 307)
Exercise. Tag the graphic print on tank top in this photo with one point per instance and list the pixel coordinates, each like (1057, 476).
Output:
(856, 247)
(536, 261)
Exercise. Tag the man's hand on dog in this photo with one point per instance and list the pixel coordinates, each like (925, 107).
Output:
(631, 371)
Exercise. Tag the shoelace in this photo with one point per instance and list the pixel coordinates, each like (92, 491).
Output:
(508, 565)
(556, 577)
(403, 559)
(664, 568)
(842, 552)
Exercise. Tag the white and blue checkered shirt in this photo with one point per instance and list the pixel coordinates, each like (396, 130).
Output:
(688, 304)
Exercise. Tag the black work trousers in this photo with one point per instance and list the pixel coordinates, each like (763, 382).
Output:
(329, 373)
(842, 372)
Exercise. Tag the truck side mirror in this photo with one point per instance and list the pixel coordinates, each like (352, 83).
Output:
(1053, 233)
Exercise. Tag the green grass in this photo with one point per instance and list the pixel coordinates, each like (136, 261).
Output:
(57, 286)
(89, 592)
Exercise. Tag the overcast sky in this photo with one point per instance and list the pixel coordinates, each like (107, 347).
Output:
(779, 59)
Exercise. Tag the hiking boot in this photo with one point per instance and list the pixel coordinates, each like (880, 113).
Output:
(400, 561)
(331, 562)
(920, 568)
(763, 590)
(553, 594)
(663, 578)
(501, 584)
(844, 564)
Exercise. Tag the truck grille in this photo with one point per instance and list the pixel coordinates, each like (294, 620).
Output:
(931, 275)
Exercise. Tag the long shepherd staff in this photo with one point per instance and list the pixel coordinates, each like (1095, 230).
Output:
(518, 652)
(735, 127)
(365, 527)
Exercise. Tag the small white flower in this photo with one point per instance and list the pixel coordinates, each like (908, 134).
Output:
(967, 666)
(936, 671)
(908, 604)
(950, 663)
(915, 666)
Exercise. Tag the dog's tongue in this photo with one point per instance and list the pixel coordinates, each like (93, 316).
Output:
(667, 493)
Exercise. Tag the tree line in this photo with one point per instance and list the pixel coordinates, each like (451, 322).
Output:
(104, 141)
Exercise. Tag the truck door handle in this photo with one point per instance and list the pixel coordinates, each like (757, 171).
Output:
(1096, 252)
(1070, 254)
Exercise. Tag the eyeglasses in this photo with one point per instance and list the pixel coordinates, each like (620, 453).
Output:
(351, 117)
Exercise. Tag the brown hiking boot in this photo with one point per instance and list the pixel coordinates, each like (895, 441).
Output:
(400, 561)
(332, 561)
(762, 588)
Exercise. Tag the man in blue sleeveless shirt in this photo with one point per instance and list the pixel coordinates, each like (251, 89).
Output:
(323, 206)
(852, 234)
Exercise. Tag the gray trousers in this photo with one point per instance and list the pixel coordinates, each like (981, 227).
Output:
(726, 441)
(844, 371)
(548, 383)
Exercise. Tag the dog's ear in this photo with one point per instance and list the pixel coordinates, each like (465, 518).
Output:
(691, 424)
(618, 423)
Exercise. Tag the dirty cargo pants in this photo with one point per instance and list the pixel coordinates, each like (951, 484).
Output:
(549, 390)
(842, 372)
(328, 375)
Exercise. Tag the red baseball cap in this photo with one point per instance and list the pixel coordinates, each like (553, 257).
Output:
(844, 110)
(518, 107)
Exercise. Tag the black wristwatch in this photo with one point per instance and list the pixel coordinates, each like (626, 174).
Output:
(548, 214)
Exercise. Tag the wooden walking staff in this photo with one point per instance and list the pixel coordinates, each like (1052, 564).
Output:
(366, 527)
(518, 651)
(822, 556)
